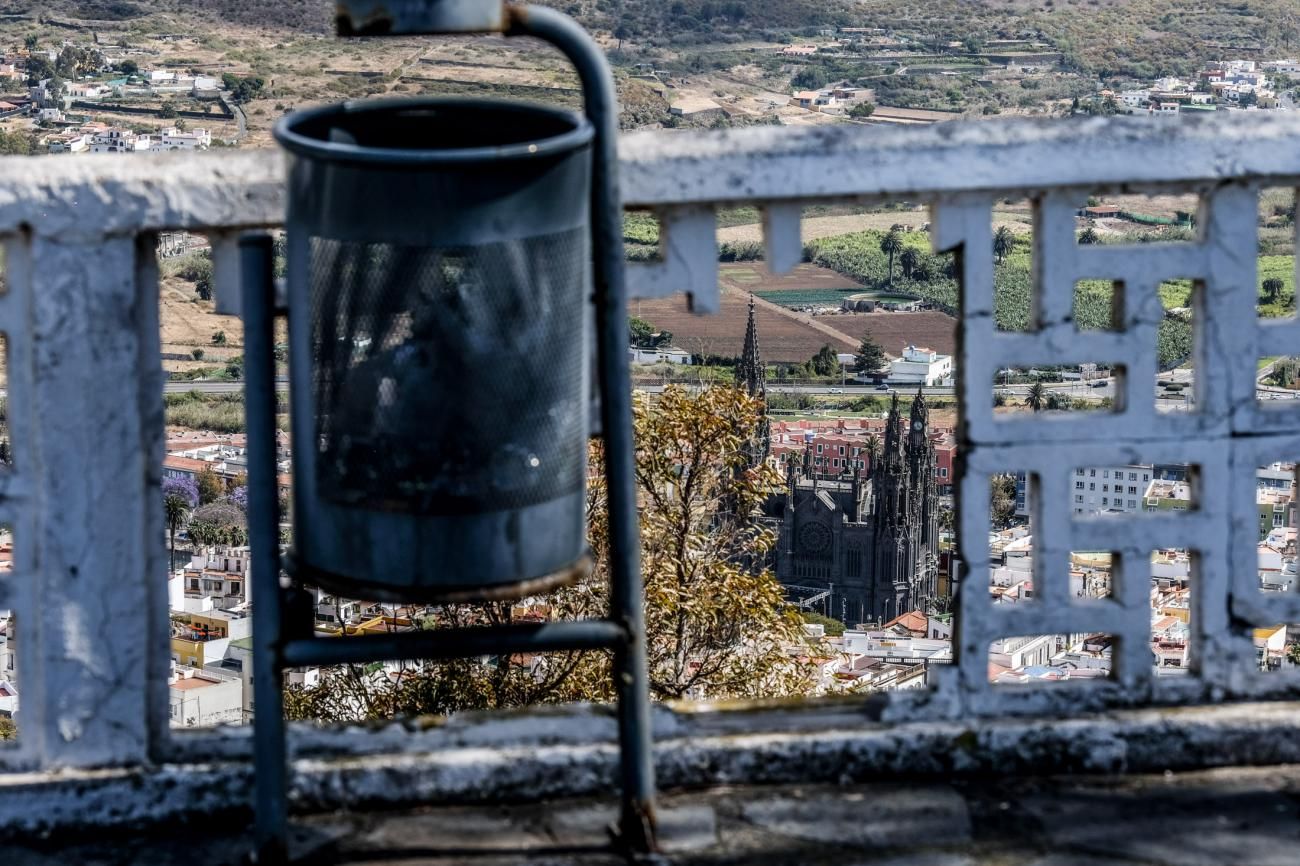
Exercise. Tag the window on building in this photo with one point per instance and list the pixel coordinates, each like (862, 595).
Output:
(841, 449)
(819, 448)
(194, 583)
(835, 462)
(1105, 473)
(1105, 488)
(1132, 503)
(234, 588)
(1078, 485)
(943, 471)
(1132, 491)
(1092, 485)
(1132, 476)
(1105, 501)
(1078, 498)
(1092, 473)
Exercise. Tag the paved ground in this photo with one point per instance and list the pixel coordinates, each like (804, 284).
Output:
(1233, 817)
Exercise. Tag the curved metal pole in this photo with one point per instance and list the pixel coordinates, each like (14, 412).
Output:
(626, 592)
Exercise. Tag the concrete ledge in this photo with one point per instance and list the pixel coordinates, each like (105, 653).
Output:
(1209, 818)
(510, 771)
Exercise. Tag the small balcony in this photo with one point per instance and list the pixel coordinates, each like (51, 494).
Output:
(922, 774)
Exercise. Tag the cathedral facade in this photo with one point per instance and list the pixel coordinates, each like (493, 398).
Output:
(870, 549)
(871, 546)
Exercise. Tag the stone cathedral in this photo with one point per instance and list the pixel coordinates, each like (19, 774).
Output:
(873, 545)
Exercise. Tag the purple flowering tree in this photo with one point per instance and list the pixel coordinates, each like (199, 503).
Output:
(180, 496)
(239, 496)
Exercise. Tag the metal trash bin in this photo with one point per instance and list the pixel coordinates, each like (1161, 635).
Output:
(438, 283)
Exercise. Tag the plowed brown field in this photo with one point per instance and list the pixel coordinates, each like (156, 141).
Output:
(784, 335)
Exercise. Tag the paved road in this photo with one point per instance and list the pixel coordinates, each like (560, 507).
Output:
(213, 387)
(241, 119)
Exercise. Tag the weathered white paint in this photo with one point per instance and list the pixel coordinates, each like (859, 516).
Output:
(86, 420)
(708, 750)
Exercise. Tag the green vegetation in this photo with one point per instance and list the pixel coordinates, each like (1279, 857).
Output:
(870, 356)
(859, 256)
(805, 298)
(220, 413)
(834, 628)
(243, 88)
(643, 334)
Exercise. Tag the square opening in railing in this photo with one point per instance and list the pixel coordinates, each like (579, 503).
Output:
(1113, 490)
(1131, 218)
(641, 237)
(1277, 648)
(1275, 499)
(1173, 573)
(1012, 501)
(1050, 658)
(1099, 305)
(1013, 264)
(1277, 247)
(1092, 574)
(1057, 390)
(1277, 381)
(1174, 487)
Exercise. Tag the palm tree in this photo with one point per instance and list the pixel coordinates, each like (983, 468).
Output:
(1003, 242)
(175, 510)
(1036, 399)
(909, 260)
(1089, 236)
(892, 244)
(1272, 288)
(873, 452)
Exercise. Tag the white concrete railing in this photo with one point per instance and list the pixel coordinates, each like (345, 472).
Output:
(85, 414)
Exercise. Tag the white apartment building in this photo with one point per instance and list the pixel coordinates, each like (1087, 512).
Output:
(71, 142)
(1135, 98)
(920, 365)
(172, 138)
(216, 581)
(1110, 489)
(204, 696)
(117, 140)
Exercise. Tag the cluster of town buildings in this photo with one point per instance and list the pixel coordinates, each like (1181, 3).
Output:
(97, 137)
(65, 109)
(1221, 84)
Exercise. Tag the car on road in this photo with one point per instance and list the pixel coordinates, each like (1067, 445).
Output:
(835, 391)
(882, 387)
(1099, 383)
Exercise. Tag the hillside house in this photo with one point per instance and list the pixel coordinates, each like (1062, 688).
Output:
(920, 365)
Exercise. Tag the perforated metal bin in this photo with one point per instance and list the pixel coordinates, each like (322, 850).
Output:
(438, 278)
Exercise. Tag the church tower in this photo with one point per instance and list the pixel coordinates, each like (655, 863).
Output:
(751, 376)
(924, 519)
(891, 527)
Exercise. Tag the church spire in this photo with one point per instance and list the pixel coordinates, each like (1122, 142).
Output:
(920, 412)
(751, 376)
(749, 372)
(893, 431)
